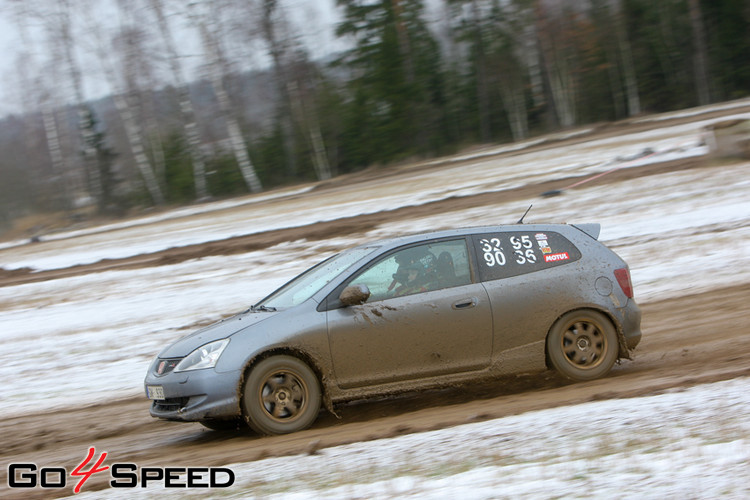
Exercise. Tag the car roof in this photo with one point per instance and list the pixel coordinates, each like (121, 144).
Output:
(591, 229)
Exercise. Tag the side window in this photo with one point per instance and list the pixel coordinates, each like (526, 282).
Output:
(512, 253)
(417, 269)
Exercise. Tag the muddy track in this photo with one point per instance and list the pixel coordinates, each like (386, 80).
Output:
(689, 340)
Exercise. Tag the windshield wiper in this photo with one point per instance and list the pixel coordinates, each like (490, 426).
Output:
(262, 308)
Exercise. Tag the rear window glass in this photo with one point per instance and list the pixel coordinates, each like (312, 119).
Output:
(506, 254)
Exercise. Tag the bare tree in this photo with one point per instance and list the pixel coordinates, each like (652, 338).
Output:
(63, 38)
(218, 68)
(278, 51)
(133, 130)
(532, 59)
(558, 54)
(511, 61)
(628, 67)
(186, 105)
(308, 118)
(139, 79)
(469, 27)
(287, 57)
(38, 87)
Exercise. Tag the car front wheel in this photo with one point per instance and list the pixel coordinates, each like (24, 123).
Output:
(582, 345)
(281, 395)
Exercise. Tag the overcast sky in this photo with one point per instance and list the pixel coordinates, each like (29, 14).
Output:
(313, 19)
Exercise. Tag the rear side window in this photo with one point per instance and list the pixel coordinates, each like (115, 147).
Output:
(505, 254)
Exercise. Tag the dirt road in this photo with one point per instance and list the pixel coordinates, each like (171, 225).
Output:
(689, 340)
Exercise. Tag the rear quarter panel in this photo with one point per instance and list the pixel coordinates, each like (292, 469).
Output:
(525, 307)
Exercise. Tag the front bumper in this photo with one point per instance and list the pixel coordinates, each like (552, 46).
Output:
(195, 395)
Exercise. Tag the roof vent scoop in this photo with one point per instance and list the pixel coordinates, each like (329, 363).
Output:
(592, 230)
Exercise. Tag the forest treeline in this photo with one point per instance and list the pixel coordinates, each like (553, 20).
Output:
(414, 81)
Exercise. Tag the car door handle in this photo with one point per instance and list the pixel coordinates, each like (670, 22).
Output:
(465, 303)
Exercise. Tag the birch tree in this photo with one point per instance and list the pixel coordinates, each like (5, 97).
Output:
(186, 105)
(64, 39)
(35, 84)
(133, 130)
(292, 76)
(555, 32)
(131, 51)
(218, 69)
(510, 60)
(278, 49)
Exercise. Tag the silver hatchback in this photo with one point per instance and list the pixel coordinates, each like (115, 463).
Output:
(403, 314)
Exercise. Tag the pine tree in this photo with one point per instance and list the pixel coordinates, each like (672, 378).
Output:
(396, 79)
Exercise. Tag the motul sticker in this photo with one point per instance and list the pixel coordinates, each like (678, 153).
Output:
(555, 257)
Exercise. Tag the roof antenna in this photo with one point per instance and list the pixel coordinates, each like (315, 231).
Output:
(520, 221)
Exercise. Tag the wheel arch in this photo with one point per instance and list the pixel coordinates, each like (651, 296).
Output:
(300, 354)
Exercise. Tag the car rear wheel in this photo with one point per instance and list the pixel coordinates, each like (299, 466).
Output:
(582, 345)
(281, 395)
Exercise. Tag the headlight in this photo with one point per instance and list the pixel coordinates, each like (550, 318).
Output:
(205, 356)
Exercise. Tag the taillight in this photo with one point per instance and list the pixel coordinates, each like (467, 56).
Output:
(623, 278)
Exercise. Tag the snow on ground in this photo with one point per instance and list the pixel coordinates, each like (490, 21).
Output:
(680, 232)
(94, 335)
(170, 215)
(687, 443)
(483, 175)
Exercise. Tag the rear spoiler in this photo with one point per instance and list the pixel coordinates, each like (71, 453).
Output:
(592, 230)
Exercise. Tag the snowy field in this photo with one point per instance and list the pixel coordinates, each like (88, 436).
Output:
(214, 222)
(679, 232)
(94, 335)
(685, 444)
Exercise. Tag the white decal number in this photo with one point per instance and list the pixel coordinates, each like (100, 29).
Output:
(524, 242)
(522, 257)
(493, 252)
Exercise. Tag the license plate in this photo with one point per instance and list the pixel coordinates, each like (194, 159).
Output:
(155, 392)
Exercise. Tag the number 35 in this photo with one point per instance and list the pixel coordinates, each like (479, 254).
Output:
(522, 257)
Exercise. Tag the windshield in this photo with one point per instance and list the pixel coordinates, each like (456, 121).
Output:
(309, 282)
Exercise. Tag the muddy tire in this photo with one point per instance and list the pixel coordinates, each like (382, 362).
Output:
(281, 395)
(582, 345)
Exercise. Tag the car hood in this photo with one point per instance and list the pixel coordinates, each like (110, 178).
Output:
(223, 329)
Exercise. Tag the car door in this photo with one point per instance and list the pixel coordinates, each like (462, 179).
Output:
(435, 323)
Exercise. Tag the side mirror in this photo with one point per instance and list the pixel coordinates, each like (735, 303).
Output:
(354, 295)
